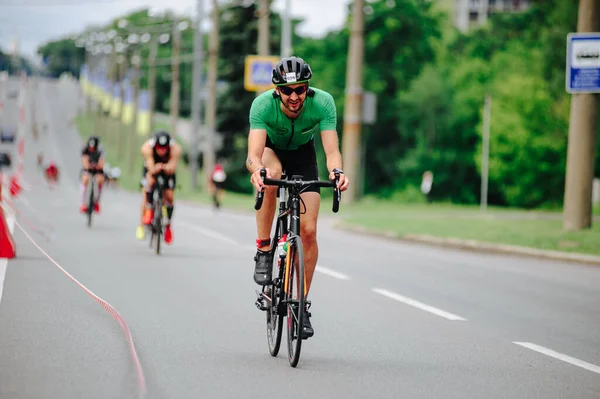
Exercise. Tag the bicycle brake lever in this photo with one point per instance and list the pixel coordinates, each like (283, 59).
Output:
(337, 194)
(260, 194)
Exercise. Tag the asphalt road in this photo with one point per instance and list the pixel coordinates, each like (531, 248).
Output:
(391, 319)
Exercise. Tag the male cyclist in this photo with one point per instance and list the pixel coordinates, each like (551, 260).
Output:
(161, 154)
(283, 122)
(92, 160)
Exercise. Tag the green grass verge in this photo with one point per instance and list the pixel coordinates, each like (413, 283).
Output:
(536, 229)
(541, 230)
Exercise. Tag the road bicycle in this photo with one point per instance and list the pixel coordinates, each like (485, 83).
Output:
(285, 297)
(157, 226)
(91, 193)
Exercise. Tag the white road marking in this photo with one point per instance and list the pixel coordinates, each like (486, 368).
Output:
(565, 358)
(332, 273)
(419, 305)
(209, 233)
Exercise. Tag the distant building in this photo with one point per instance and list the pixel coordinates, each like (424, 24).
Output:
(469, 13)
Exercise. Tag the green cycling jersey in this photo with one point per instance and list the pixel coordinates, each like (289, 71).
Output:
(288, 134)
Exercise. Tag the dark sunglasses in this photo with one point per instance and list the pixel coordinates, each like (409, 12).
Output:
(288, 90)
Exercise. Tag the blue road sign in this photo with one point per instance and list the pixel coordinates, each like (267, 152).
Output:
(583, 63)
(258, 73)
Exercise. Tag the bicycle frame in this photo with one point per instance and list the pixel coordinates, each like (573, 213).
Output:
(156, 226)
(92, 191)
(295, 185)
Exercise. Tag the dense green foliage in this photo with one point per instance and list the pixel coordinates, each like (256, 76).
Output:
(431, 82)
(15, 65)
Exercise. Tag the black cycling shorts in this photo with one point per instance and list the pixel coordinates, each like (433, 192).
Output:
(82, 171)
(302, 161)
(218, 184)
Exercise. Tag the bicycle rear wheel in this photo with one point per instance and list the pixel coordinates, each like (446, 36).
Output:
(90, 209)
(158, 224)
(295, 298)
(275, 311)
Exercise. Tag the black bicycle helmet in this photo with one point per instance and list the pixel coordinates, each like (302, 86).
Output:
(291, 70)
(161, 139)
(93, 142)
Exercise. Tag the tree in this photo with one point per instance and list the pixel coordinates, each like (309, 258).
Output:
(62, 56)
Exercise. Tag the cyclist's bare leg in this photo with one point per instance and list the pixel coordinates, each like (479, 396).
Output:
(308, 233)
(220, 195)
(100, 180)
(148, 189)
(265, 215)
(169, 198)
(143, 206)
(85, 178)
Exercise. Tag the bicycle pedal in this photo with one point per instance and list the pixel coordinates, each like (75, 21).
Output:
(260, 301)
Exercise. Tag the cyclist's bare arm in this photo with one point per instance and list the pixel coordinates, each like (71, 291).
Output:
(174, 159)
(331, 146)
(85, 161)
(256, 146)
(100, 165)
(148, 157)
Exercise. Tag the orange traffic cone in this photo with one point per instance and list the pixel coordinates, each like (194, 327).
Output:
(7, 243)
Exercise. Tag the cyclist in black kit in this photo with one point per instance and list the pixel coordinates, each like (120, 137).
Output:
(92, 160)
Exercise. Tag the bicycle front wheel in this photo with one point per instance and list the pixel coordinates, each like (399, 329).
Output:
(158, 224)
(90, 209)
(274, 311)
(294, 286)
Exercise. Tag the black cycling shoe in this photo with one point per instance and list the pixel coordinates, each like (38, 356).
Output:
(263, 267)
(307, 329)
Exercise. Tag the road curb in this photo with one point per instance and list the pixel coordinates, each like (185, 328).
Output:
(474, 245)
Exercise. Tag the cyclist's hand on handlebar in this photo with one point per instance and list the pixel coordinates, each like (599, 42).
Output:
(157, 167)
(168, 169)
(256, 180)
(343, 183)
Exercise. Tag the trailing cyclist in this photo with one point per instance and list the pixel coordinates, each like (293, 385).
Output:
(92, 160)
(283, 122)
(161, 154)
(51, 173)
(216, 182)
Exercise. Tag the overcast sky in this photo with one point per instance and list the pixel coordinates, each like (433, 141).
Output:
(37, 21)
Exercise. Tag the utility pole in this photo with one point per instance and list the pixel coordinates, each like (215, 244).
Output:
(196, 108)
(124, 65)
(353, 105)
(263, 27)
(175, 78)
(286, 30)
(263, 30)
(577, 213)
(485, 153)
(135, 60)
(88, 62)
(211, 104)
(152, 79)
(112, 81)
